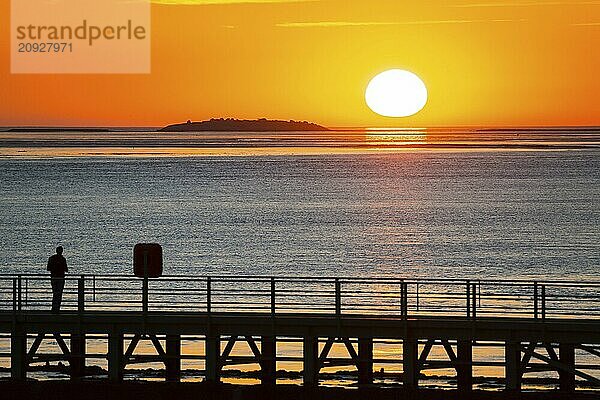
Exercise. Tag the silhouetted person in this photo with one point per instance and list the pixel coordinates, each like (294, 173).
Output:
(57, 265)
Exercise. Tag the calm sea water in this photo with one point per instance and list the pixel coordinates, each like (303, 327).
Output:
(493, 205)
(461, 214)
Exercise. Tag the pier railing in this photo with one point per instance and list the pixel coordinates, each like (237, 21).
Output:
(402, 298)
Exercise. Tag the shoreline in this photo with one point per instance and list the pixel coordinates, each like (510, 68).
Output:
(386, 380)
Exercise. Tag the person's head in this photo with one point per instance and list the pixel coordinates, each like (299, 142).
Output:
(59, 250)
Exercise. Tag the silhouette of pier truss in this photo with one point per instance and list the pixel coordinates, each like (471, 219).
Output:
(542, 326)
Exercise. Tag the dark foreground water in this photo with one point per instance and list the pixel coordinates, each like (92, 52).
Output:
(485, 214)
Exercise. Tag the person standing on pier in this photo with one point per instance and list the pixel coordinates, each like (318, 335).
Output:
(57, 265)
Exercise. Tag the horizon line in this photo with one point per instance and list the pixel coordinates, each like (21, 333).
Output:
(364, 127)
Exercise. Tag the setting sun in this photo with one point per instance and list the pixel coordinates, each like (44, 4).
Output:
(396, 93)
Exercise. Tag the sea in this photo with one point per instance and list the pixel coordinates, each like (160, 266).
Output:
(406, 203)
(450, 204)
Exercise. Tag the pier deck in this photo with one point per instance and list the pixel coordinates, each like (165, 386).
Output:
(549, 322)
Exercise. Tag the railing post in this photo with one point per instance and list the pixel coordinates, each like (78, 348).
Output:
(20, 291)
(212, 344)
(338, 297)
(535, 300)
(474, 300)
(81, 294)
(208, 295)
(14, 295)
(78, 340)
(468, 299)
(273, 297)
(417, 295)
(404, 299)
(543, 302)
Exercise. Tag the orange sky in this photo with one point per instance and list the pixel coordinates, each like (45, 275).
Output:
(485, 62)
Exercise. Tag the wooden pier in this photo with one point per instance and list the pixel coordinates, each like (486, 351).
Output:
(549, 322)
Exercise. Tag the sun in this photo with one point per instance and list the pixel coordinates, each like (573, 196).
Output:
(396, 93)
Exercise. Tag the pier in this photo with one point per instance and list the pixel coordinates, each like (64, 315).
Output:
(540, 325)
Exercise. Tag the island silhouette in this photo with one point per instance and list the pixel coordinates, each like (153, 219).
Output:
(244, 125)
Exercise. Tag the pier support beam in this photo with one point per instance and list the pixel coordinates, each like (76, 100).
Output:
(464, 365)
(311, 361)
(410, 363)
(173, 360)
(566, 353)
(268, 362)
(77, 360)
(512, 359)
(115, 357)
(213, 358)
(18, 355)
(365, 361)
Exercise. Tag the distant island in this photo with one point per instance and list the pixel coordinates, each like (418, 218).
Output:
(244, 125)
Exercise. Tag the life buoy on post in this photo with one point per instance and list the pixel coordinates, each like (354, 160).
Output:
(147, 260)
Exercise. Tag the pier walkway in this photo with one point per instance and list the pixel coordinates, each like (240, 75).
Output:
(542, 326)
